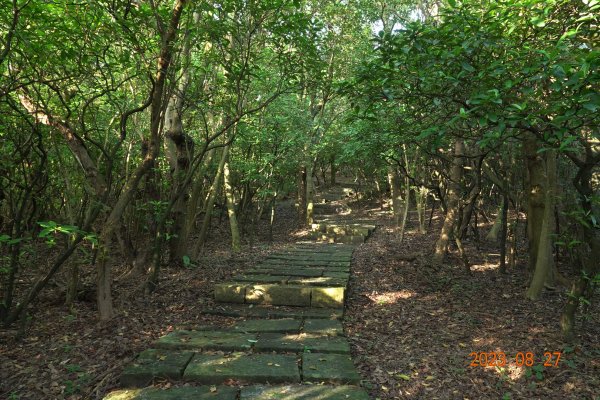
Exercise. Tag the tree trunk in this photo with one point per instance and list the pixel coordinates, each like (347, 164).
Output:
(421, 202)
(233, 224)
(492, 235)
(504, 232)
(104, 278)
(441, 246)
(536, 189)
(310, 194)
(544, 266)
(302, 195)
(212, 197)
(394, 182)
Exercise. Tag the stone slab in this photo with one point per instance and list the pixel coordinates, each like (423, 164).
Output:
(300, 343)
(155, 363)
(327, 327)
(303, 392)
(306, 263)
(254, 368)
(230, 292)
(202, 340)
(180, 393)
(336, 274)
(284, 270)
(252, 311)
(261, 278)
(269, 325)
(327, 297)
(319, 281)
(329, 368)
(279, 295)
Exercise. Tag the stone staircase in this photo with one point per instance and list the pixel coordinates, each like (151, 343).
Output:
(288, 342)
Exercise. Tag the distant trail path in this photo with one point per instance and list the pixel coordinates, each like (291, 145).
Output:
(289, 343)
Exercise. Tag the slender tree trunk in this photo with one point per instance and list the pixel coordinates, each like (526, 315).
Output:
(441, 246)
(536, 189)
(406, 196)
(212, 197)
(504, 232)
(104, 278)
(421, 203)
(302, 180)
(333, 169)
(544, 267)
(310, 194)
(394, 182)
(233, 224)
(492, 235)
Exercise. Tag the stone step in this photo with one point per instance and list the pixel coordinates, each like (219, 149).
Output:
(280, 294)
(323, 327)
(281, 358)
(333, 238)
(255, 392)
(303, 256)
(340, 280)
(343, 229)
(252, 311)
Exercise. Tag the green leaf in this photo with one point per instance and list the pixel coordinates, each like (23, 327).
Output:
(468, 67)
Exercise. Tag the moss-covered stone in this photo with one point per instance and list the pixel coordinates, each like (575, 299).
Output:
(261, 278)
(255, 368)
(282, 295)
(336, 274)
(269, 325)
(252, 311)
(319, 281)
(327, 297)
(300, 343)
(230, 292)
(180, 393)
(202, 340)
(303, 392)
(326, 327)
(155, 363)
(329, 368)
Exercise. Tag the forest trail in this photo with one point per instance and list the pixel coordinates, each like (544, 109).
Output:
(289, 341)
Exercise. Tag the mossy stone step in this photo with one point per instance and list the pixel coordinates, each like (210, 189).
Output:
(152, 363)
(336, 274)
(319, 281)
(253, 311)
(306, 263)
(325, 327)
(282, 295)
(294, 269)
(303, 392)
(340, 280)
(179, 393)
(253, 368)
(269, 325)
(279, 295)
(332, 238)
(206, 340)
(329, 368)
(261, 278)
(310, 257)
(278, 342)
(287, 270)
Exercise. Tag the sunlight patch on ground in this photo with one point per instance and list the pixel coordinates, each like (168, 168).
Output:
(484, 267)
(301, 233)
(390, 297)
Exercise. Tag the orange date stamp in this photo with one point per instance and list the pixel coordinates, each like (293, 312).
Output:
(521, 359)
